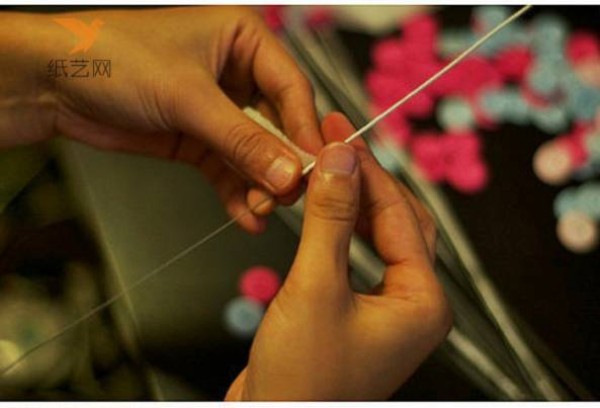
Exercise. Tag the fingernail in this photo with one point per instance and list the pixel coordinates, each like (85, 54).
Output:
(338, 158)
(281, 172)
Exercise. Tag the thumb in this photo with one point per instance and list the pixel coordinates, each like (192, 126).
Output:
(236, 390)
(246, 145)
(331, 210)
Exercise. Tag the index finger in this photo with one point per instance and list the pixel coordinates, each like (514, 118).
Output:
(281, 80)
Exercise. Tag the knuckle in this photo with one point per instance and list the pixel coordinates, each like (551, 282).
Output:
(246, 141)
(333, 205)
(384, 203)
(297, 84)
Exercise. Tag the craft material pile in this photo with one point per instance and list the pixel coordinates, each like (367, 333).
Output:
(536, 73)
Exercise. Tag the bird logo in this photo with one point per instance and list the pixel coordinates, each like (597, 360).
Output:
(86, 34)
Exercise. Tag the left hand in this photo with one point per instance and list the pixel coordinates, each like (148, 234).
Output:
(179, 78)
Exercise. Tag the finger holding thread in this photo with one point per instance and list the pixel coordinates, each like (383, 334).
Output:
(337, 127)
(261, 202)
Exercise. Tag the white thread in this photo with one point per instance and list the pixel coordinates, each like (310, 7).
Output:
(232, 221)
(128, 289)
(429, 81)
(305, 157)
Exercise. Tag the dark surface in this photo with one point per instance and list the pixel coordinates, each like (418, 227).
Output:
(512, 227)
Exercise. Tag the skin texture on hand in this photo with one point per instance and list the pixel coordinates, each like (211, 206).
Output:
(321, 341)
(179, 78)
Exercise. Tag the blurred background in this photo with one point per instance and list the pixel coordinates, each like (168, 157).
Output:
(505, 151)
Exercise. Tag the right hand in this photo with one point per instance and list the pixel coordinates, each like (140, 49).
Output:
(321, 341)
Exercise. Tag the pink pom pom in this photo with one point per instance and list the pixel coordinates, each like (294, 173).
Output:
(449, 84)
(422, 32)
(513, 63)
(428, 155)
(477, 73)
(388, 55)
(385, 89)
(469, 177)
(418, 72)
(420, 106)
(582, 46)
(460, 147)
(468, 78)
(260, 283)
(416, 51)
(397, 126)
(420, 26)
